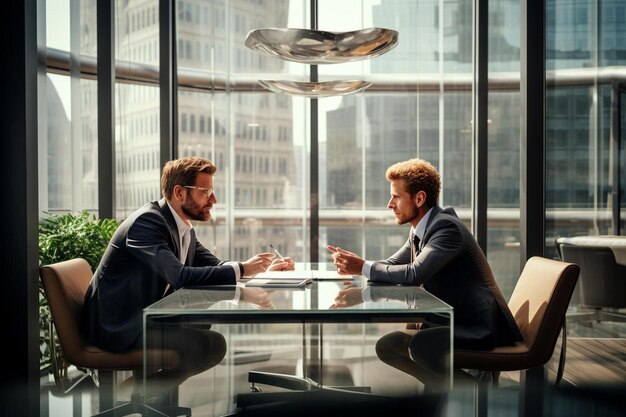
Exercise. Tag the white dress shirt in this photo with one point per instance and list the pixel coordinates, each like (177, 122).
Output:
(418, 231)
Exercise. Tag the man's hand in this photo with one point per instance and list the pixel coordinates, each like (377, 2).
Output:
(257, 297)
(284, 264)
(258, 263)
(346, 262)
(348, 298)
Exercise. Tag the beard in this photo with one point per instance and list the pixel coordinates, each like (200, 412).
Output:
(194, 211)
(404, 219)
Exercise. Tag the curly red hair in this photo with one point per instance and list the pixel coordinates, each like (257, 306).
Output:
(418, 175)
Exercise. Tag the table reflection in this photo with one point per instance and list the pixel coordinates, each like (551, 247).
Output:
(326, 332)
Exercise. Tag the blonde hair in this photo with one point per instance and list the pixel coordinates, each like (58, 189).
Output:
(418, 175)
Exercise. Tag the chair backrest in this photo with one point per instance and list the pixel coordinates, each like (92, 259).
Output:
(65, 284)
(601, 282)
(539, 303)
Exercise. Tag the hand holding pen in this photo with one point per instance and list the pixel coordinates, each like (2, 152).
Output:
(280, 263)
(278, 255)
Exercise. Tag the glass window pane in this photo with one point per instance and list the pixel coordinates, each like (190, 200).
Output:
(363, 134)
(137, 107)
(68, 166)
(583, 42)
(256, 138)
(503, 124)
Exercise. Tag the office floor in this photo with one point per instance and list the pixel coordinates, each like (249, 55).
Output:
(594, 383)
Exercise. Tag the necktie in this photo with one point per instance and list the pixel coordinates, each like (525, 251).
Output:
(416, 246)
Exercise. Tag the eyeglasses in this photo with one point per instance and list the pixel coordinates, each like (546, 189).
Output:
(207, 191)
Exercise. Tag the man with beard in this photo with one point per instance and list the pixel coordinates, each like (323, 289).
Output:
(441, 255)
(155, 252)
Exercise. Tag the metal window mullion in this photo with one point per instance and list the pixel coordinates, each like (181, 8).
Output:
(532, 129)
(19, 257)
(314, 157)
(230, 173)
(167, 80)
(42, 110)
(75, 108)
(614, 154)
(480, 99)
(441, 104)
(106, 108)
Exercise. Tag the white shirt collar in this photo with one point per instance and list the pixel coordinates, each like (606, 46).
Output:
(183, 226)
(420, 229)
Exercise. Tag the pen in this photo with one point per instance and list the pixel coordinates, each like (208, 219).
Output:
(278, 255)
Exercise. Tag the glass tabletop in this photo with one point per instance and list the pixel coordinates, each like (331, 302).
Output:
(319, 300)
(324, 333)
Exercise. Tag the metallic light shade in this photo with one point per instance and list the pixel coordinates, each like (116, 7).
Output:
(315, 90)
(320, 47)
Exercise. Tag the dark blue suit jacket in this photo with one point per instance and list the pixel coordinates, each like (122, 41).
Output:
(137, 266)
(452, 267)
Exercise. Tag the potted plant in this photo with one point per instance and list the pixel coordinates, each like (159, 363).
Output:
(61, 238)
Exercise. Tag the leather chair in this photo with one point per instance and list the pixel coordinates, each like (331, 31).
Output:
(65, 284)
(539, 303)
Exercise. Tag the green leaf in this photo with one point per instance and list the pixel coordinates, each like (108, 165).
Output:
(65, 237)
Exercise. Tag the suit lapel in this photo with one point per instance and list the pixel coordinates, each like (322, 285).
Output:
(171, 223)
(192, 248)
(434, 213)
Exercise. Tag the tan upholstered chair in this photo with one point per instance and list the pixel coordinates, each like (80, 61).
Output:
(538, 303)
(65, 284)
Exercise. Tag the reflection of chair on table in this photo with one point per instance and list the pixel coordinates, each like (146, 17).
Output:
(65, 284)
(602, 283)
(283, 377)
(331, 378)
(306, 398)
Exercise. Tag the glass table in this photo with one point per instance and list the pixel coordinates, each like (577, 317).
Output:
(304, 332)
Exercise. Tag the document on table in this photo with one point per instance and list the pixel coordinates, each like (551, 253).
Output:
(277, 282)
(300, 275)
(297, 278)
(280, 279)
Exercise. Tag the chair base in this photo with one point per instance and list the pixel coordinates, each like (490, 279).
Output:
(330, 403)
(144, 410)
(531, 391)
(136, 405)
(298, 389)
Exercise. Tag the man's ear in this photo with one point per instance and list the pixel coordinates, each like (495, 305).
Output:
(177, 192)
(420, 199)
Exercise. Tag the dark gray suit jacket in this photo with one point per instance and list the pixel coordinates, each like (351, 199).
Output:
(137, 266)
(452, 267)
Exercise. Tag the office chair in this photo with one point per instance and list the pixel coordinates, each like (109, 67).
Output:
(601, 288)
(538, 303)
(332, 382)
(65, 284)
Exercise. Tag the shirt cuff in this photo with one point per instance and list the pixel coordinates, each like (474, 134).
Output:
(367, 267)
(366, 294)
(237, 267)
(237, 296)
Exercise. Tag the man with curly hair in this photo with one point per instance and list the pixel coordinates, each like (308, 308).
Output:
(443, 256)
